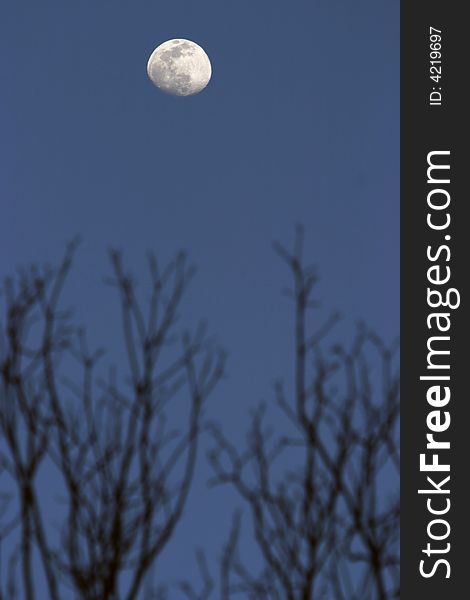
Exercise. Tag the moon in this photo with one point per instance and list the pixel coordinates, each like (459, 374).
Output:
(179, 67)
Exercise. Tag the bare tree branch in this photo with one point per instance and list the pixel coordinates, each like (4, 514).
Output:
(319, 505)
(126, 471)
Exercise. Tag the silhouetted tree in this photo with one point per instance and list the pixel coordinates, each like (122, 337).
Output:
(321, 490)
(126, 471)
(322, 494)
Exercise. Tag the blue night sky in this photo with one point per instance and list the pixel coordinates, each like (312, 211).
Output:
(300, 124)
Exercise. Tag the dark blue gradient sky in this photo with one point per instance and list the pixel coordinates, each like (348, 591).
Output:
(300, 124)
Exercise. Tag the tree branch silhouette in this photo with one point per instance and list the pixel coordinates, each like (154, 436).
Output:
(320, 490)
(126, 471)
(317, 495)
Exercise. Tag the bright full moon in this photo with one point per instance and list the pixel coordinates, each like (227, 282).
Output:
(179, 67)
